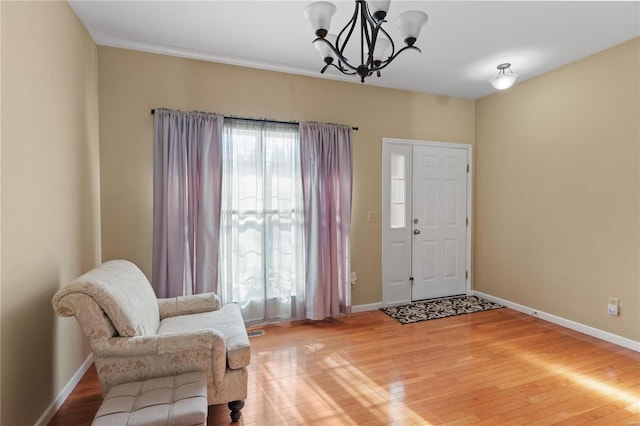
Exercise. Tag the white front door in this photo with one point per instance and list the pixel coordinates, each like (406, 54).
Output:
(425, 231)
(439, 222)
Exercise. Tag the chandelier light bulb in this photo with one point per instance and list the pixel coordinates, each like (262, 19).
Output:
(504, 79)
(319, 15)
(324, 49)
(379, 8)
(410, 24)
(380, 52)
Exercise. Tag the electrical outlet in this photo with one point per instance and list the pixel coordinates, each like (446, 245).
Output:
(613, 306)
(354, 278)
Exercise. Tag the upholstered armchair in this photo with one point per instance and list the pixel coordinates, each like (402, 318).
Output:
(135, 336)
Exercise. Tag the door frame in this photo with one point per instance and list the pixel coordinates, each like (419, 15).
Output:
(386, 142)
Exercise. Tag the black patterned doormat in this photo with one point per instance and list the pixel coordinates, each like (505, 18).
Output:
(439, 308)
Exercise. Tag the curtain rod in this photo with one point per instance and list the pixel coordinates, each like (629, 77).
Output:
(153, 111)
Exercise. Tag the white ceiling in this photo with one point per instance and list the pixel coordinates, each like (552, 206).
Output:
(462, 43)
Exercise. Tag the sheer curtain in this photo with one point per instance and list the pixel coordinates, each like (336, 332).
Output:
(186, 207)
(326, 163)
(261, 241)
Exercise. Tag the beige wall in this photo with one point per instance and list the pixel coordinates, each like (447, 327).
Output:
(557, 191)
(0, 216)
(131, 83)
(50, 197)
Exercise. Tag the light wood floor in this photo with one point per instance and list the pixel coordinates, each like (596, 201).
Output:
(494, 367)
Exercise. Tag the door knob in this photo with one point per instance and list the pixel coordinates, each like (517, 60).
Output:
(416, 231)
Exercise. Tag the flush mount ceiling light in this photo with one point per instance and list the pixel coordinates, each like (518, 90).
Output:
(504, 79)
(375, 42)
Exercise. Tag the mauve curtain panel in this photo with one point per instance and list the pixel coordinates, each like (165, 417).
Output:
(186, 202)
(326, 166)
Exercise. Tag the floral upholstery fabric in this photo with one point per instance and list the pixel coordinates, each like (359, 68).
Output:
(227, 321)
(124, 294)
(213, 341)
(94, 322)
(183, 305)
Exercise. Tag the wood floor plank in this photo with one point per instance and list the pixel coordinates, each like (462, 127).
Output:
(497, 367)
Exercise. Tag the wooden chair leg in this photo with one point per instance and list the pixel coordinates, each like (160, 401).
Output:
(235, 407)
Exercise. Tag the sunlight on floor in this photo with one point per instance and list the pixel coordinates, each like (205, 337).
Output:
(352, 393)
(378, 401)
(311, 403)
(313, 347)
(602, 388)
(589, 383)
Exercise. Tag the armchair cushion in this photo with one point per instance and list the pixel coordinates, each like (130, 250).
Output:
(124, 294)
(227, 321)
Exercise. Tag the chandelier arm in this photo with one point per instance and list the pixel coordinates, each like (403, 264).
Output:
(363, 29)
(368, 25)
(339, 68)
(376, 26)
(391, 58)
(342, 69)
(369, 17)
(372, 45)
(352, 23)
(341, 58)
(393, 46)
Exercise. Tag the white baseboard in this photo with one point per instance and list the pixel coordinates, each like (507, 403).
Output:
(51, 410)
(365, 308)
(582, 328)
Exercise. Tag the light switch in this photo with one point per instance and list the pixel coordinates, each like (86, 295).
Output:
(372, 217)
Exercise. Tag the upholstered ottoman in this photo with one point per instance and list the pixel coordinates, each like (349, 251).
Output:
(176, 400)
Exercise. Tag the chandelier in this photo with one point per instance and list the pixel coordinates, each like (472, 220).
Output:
(377, 49)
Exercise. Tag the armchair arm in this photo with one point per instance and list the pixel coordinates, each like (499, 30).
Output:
(208, 340)
(183, 305)
(201, 349)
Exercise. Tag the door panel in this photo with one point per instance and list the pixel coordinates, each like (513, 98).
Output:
(439, 199)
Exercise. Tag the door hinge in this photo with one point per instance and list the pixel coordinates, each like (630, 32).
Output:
(466, 275)
(411, 279)
(467, 168)
(467, 221)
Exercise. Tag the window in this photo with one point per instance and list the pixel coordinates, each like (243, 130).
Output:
(261, 240)
(398, 192)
